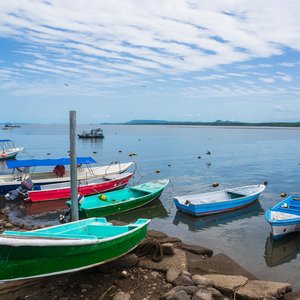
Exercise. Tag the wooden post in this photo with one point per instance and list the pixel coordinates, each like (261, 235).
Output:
(73, 166)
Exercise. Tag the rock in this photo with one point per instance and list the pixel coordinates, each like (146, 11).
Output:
(292, 296)
(178, 261)
(184, 280)
(126, 261)
(217, 264)
(190, 290)
(216, 295)
(196, 249)
(186, 273)
(154, 234)
(202, 294)
(263, 289)
(167, 248)
(8, 225)
(155, 274)
(172, 274)
(181, 295)
(6, 210)
(226, 284)
(201, 280)
(121, 296)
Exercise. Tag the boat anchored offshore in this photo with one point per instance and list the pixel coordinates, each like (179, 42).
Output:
(23, 169)
(284, 217)
(8, 149)
(219, 201)
(66, 248)
(116, 202)
(93, 134)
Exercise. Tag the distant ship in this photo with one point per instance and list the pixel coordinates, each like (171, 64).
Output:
(10, 126)
(93, 134)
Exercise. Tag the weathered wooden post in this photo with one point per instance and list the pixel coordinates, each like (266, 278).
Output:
(73, 166)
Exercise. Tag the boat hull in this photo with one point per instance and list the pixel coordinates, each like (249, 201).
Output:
(65, 193)
(118, 208)
(208, 205)
(24, 262)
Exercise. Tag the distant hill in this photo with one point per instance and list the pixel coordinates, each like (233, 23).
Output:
(215, 123)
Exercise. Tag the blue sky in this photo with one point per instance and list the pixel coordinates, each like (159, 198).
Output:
(115, 61)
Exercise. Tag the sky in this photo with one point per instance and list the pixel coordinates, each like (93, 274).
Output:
(115, 61)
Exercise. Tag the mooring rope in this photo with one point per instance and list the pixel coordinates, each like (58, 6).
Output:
(150, 247)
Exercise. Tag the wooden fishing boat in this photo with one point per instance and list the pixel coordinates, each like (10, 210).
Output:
(23, 169)
(66, 248)
(284, 217)
(219, 201)
(93, 134)
(57, 191)
(116, 202)
(8, 150)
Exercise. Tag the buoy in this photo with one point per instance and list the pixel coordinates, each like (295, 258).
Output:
(199, 157)
(4, 154)
(169, 165)
(208, 164)
(103, 197)
(157, 171)
(208, 153)
(48, 153)
(266, 183)
(215, 184)
(282, 195)
(120, 151)
(95, 152)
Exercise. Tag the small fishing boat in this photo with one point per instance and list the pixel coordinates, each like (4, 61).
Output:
(66, 248)
(24, 169)
(284, 217)
(219, 201)
(116, 202)
(8, 149)
(57, 191)
(10, 126)
(93, 134)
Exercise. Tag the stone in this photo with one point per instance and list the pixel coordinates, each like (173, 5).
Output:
(184, 280)
(202, 294)
(186, 273)
(181, 295)
(178, 261)
(154, 234)
(121, 296)
(8, 225)
(167, 248)
(226, 284)
(216, 295)
(201, 280)
(196, 249)
(86, 286)
(155, 274)
(172, 274)
(217, 264)
(126, 261)
(255, 289)
(190, 290)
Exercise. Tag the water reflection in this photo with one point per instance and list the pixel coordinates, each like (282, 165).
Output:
(44, 207)
(198, 223)
(154, 209)
(281, 251)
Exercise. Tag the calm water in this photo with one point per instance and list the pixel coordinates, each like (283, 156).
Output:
(238, 157)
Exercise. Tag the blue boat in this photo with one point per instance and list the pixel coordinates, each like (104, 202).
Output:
(24, 169)
(284, 217)
(220, 201)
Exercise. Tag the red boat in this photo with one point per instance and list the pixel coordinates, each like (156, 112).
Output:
(57, 191)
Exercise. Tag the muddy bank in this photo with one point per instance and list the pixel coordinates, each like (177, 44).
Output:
(162, 267)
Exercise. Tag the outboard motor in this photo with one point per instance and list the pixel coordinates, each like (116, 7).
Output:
(26, 185)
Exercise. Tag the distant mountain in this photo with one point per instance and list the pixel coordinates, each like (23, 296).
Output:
(215, 123)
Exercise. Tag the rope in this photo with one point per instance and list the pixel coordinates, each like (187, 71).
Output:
(150, 247)
(137, 171)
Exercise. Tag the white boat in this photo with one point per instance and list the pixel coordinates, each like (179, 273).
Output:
(284, 217)
(8, 149)
(23, 169)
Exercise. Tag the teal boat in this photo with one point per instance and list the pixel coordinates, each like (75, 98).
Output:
(66, 248)
(119, 201)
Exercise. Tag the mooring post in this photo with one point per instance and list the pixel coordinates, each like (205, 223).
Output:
(73, 166)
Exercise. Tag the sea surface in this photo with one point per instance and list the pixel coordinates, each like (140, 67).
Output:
(239, 156)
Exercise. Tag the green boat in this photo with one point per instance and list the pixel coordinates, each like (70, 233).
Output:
(66, 248)
(119, 201)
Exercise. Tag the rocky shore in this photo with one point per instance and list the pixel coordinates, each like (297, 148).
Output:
(162, 267)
